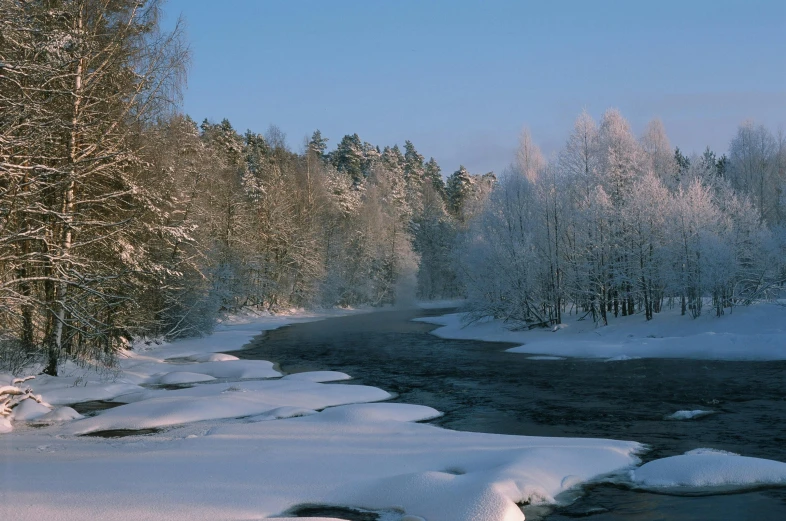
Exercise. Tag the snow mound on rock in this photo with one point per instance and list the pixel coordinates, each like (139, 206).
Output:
(379, 412)
(29, 410)
(319, 376)
(708, 469)
(61, 414)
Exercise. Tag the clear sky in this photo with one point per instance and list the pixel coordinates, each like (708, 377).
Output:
(461, 78)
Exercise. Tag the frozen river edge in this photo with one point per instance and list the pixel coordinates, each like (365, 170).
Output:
(366, 455)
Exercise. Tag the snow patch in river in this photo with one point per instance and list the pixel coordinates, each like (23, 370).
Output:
(688, 415)
(708, 470)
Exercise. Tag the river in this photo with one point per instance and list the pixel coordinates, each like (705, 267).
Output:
(480, 387)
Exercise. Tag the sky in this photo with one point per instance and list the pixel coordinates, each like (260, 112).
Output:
(460, 79)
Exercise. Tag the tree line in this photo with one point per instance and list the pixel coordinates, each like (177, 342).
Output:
(615, 225)
(122, 218)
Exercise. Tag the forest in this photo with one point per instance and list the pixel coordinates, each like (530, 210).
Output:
(122, 218)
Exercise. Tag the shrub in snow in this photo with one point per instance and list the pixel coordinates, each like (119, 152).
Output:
(12, 396)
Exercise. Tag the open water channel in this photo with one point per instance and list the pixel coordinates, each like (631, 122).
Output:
(480, 387)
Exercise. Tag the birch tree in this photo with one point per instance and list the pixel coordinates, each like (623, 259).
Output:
(100, 72)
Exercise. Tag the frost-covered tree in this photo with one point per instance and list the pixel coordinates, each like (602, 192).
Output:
(620, 156)
(579, 159)
(616, 227)
(658, 154)
(753, 167)
(529, 159)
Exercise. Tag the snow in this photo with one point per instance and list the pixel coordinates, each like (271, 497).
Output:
(755, 332)
(319, 376)
(688, 415)
(621, 358)
(29, 410)
(379, 412)
(183, 377)
(61, 414)
(70, 390)
(212, 357)
(545, 357)
(151, 371)
(707, 469)
(256, 448)
(360, 456)
(161, 408)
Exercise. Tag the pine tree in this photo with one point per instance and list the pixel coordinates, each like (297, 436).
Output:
(433, 174)
(318, 144)
(458, 191)
(414, 176)
(683, 164)
(348, 158)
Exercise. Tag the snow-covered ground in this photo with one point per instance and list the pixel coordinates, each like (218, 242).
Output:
(756, 332)
(245, 442)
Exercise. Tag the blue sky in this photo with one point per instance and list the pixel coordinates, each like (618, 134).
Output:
(461, 78)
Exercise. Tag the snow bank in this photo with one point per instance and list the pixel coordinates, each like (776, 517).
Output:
(318, 376)
(756, 332)
(149, 372)
(29, 410)
(183, 377)
(70, 390)
(276, 452)
(366, 456)
(379, 412)
(61, 414)
(212, 357)
(161, 408)
(707, 469)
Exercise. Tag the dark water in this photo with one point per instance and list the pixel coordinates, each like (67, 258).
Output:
(93, 407)
(482, 388)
